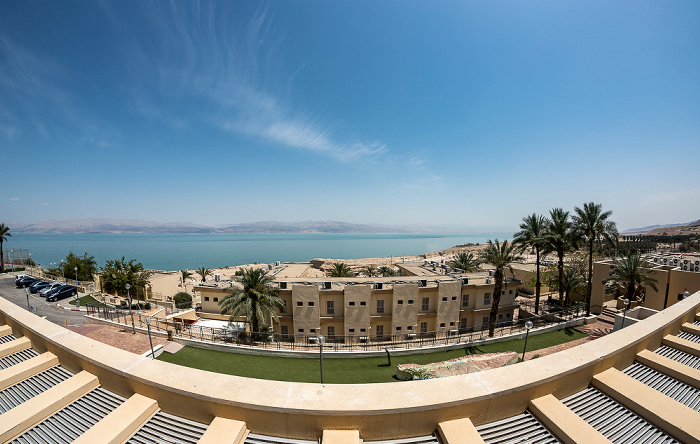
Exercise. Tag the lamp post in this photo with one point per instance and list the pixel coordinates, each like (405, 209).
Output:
(128, 295)
(148, 324)
(528, 326)
(12, 258)
(77, 286)
(321, 340)
(63, 273)
(26, 290)
(624, 312)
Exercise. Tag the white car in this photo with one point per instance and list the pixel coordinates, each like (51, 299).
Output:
(45, 290)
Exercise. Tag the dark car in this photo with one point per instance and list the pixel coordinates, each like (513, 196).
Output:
(38, 285)
(62, 292)
(48, 288)
(25, 281)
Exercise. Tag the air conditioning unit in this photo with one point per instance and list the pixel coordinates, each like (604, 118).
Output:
(283, 285)
(278, 263)
(378, 285)
(488, 281)
(685, 261)
(422, 282)
(665, 261)
(327, 285)
(697, 268)
(675, 261)
(697, 263)
(685, 268)
(465, 281)
(656, 259)
(217, 277)
(491, 273)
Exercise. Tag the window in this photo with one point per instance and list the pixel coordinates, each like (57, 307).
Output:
(380, 330)
(398, 328)
(465, 300)
(510, 291)
(463, 323)
(331, 331)
(444, 299)
(503, 293)
(300, 304)
(487, 298)
(380, 305)
(500, 317)
(311, 303)
(399, 302)
(485, 322)
(424, 327)
(301, 330)
(206, 298)
(352, 330)
(363, 330)
(330, 307)
(510, 316)
(216, 299)
(442, 325)
(284, 329)
(312, 330)
(410, 302)
(452, 324)
(426, 304)
(363, 303)
(409, 328)
(454, 298)
(352, 303)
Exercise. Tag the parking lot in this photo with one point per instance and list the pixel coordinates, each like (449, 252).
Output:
(50, 310)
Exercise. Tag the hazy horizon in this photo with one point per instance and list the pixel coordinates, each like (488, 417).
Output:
(396, 113)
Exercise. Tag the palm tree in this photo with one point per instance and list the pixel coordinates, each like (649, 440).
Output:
(629, 272)
(4, 234)
(531, 235)
(572, 281)
(370, 271)
(204, 272)
(464, 261)
(254, 296)
(592, 224)
(386, 271)
(500, 256)
(561, 238)
(184, 275)
(340, 269)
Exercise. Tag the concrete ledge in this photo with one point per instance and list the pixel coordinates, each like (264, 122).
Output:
(224, 431)
(19, 372)
(679, 421)
(459, 431)
(122, 422)
(15, 346)
(16, 421)
(683, 345)
(5, 330)
(566, 425)
(668, 366)
(341, 437)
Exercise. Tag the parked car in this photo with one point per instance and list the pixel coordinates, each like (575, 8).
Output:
(25, 281)
(50, 287)
(62, 292)
(38, 285)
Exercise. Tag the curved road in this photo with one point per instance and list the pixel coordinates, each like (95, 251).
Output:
(50, 310)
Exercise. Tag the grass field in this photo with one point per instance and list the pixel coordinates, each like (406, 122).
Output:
(87, 300)
(343, 371)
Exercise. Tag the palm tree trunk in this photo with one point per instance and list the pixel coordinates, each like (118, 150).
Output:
(561, 278)
(589, 285)
(538, 284)
(2, 258)
(498, 284)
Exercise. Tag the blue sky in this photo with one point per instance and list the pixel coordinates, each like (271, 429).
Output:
(470, 113)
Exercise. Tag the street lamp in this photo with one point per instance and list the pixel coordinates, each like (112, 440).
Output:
(26, 290)
(624, 312)
(128, 295)
(321, 340)
(148, 324)
(63, 273)
(528, 326)
(77, 286)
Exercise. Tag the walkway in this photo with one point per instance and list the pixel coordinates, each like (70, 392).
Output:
(118, 337)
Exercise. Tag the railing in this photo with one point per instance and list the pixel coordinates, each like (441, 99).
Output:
(339, 343)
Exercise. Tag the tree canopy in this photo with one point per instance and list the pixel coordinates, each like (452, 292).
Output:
(86, 265)
(4, 234)
(500, 256)
(117, 273)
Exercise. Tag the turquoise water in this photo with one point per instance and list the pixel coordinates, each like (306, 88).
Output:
(189, 251)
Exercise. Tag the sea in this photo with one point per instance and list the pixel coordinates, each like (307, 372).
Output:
(191, 251)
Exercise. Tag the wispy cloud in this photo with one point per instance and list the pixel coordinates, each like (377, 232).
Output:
(15, 199)
(230, 77)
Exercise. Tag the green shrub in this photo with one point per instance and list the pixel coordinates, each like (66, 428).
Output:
(183, 300)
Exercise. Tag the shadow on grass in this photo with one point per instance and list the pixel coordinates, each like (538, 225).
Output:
(473, 351)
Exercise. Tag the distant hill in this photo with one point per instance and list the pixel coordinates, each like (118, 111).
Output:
(655, 227)
(690, 228)
(128, 226)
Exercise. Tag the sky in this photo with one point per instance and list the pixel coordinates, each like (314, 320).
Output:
(468, 113)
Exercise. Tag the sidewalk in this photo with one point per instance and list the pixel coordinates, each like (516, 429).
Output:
(118, 337)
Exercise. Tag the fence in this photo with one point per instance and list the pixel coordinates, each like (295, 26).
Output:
(336, 343)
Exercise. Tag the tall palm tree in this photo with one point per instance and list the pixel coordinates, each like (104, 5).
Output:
(204, 272)
(501, 256)
(184, 275)
(4, 234)
(572, 281)
(592, 224)
(560, 237)
(370, 271)
(386, 271)
(254, 296)
(630, 273)
(340, 269)
(531, 235)
(464, 261)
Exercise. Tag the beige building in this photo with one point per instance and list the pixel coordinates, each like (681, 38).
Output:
(675, 275)
(363, 309)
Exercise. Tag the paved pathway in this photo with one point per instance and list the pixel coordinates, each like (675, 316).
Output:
(118, 337)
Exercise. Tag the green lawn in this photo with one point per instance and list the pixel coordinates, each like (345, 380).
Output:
(339, 370)
(87, 300)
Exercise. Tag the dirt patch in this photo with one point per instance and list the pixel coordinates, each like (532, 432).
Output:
(456, 366)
